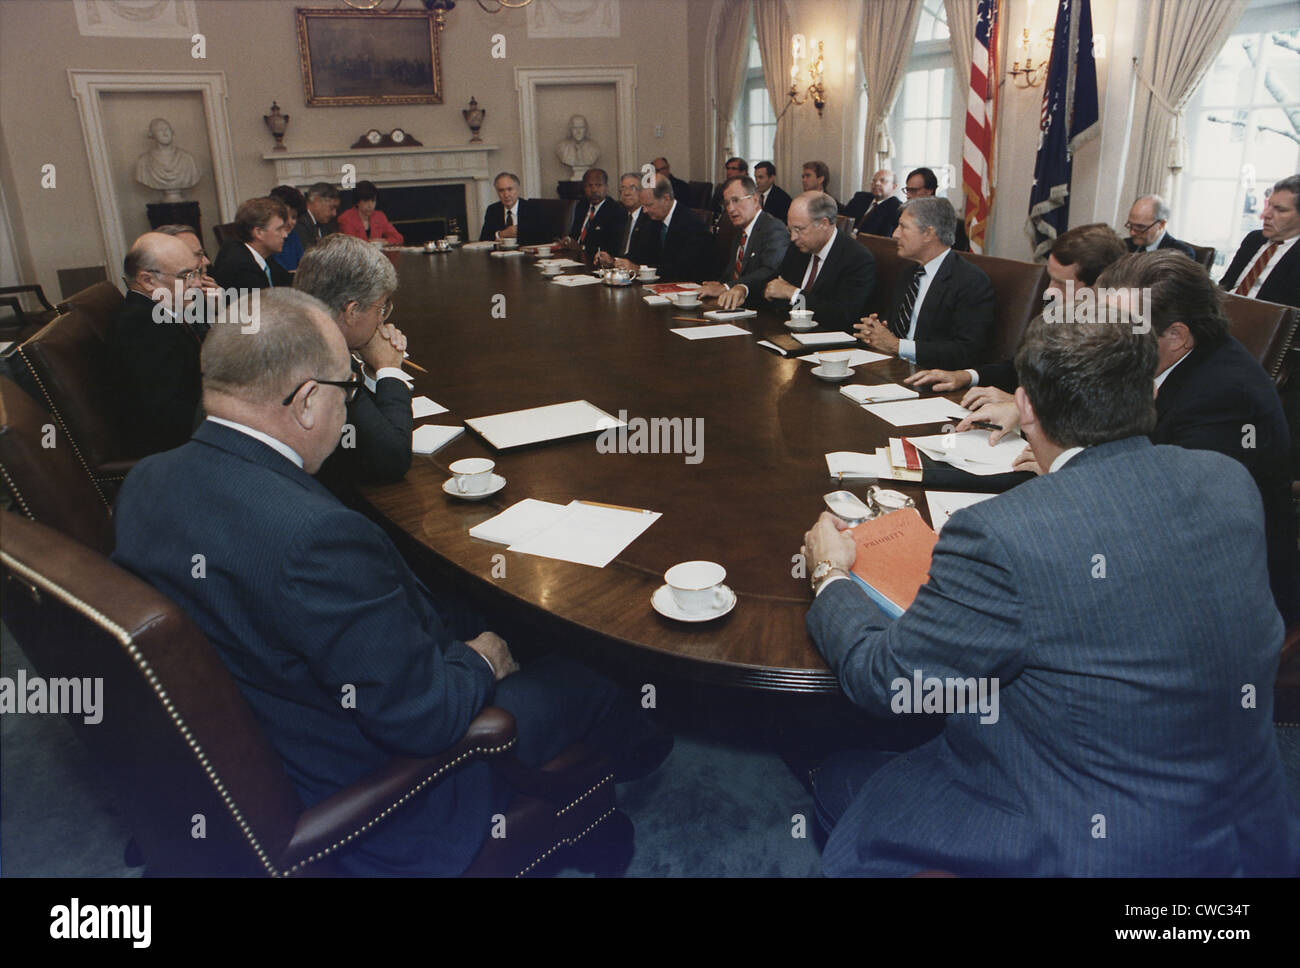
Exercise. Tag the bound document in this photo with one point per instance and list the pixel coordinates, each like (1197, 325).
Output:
(893, 558)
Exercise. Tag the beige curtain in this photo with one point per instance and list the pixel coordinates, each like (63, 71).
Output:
(888, 33)
(730, 47)
(772, 26)
(1179, 50)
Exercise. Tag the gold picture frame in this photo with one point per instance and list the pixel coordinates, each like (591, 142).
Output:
(354, 57)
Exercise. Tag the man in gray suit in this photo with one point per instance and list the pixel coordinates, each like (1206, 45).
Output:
(761, 244)
(1116, 613)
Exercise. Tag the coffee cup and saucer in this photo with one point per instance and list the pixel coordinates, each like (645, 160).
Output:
(801, 319)
(833, 367)
(511, 243)
(685, 300)
(647, 274)
(693, 592)
(549, 271)
(438, 245)
(472, 479)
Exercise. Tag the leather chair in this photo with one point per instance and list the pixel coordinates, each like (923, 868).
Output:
(47, 484)
(69, 361)
(701, 196)
(25, 321)
(844, 223)
(557, 212)
(888, 266)
(178, 741)
(224, 233)
(1266, 329)
(1017, 298)
(1204, 255)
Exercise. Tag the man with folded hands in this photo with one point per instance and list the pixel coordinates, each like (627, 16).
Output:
(942, 314)
(1116, 609)
(345, 656)
(760, 248)
(824, 270)
(684, 241)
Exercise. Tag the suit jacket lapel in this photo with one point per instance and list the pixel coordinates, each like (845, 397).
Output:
(938, 286)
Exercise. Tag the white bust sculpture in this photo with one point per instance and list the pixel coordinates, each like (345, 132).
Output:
(578, 151)
(164, 166)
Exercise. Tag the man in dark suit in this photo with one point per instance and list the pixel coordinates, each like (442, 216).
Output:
(155, 343)
(683, 240)
(924, 183)
(776, 200)
(759, 249)
(513, 217)
(246, 262)
(681, 190)
(1087, 636)
(876, 212)
(824, 270)
(320, 220)
(598, 221)
(356, 282)
(631, 242)
(942, 315)
(1147, 225)
(735, 167)
(1267, 264)
(346, 658)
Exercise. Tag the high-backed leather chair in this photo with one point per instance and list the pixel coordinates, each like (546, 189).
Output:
(888, 267)
(844, 223)
(70, 363)
(1204, 255)
(225, 232)
(701, 196)
(1017, 298)
(48, 484)
(179, 742)
(24, 321)
(557, 212)
(1266, 329)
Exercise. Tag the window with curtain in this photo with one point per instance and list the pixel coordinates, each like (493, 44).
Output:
(1243, 131)
(755, 122)
(921, 121)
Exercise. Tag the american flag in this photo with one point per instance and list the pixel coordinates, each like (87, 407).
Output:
(981, 122)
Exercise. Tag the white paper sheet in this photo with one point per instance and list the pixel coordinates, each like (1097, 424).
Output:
(944, 504)
(506, 253)
(881, 393)
(519, 521)
(562, 263)
(587, 534)
(577, 279)
(856, 357)
(653, 300)
(908, 413)
(476, 246)
(431, 438)
(424, 407)
(724, 315)
(821, 339)
(537, 424)
(848, 464)
(711, 332)
(970, 451)
(772, 346)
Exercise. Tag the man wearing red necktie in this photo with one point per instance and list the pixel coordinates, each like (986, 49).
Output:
(598, 221)
(759, 249)
(1267, 264)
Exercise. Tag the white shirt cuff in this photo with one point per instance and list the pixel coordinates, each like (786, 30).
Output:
(396, 372)
(974, 377)
(907, 350)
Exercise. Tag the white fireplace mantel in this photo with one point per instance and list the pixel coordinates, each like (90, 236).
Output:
(393, 166)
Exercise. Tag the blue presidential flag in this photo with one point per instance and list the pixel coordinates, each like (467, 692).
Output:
(1069, 119)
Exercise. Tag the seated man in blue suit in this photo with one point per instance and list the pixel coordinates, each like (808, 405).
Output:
(513, 217)
(1118, 610)
(345, 657)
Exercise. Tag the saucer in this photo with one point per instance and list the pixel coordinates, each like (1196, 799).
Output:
(449, 487)
(819, 371)
(654, 278)
(664, 603)
(793, 324)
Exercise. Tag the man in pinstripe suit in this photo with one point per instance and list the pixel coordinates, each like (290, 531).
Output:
(1120, 607)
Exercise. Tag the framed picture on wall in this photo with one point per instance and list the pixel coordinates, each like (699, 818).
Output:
(357, 57)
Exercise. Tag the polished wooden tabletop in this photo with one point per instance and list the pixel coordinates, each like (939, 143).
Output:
(767, 424)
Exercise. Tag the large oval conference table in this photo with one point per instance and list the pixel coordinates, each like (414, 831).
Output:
(767, 424)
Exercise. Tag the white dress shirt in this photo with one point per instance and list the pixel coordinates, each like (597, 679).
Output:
(257, 256)
(748, 232)
(1063, 458)
(513, 210)
(278, 446)
(907, 345)
(1161, 377)
(821, 254)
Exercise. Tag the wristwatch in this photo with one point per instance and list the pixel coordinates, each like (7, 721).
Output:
(820, 573)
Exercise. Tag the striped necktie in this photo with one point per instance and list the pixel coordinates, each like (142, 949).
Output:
(510, 218)
(902, 321)
(583, 234)
(1257, 269)
(740, 254)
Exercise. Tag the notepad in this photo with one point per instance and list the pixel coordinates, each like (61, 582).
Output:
(431, 438)
(537, 424)
(517, 522)
(577, 279)
(653, 300)
(909, 413)
(881, 393)
(723, 315)
(711, 332)
(855, 357)
(665, 288)
(424, 407)
(823, 339)
(944, 504)
(854, 466)
(588, 534)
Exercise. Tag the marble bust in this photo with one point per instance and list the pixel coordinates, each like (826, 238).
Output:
(578, 151)
(164, 166)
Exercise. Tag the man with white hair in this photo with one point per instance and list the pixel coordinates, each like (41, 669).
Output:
(1147, 225)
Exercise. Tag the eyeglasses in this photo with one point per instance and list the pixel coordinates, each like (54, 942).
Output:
(909, 190)
(186, 276)
(1142, 228)
(386, 311)
(735, 200)
(350, 388)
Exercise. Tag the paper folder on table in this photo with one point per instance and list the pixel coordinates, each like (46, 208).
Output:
(581, 531)
(537, 424)
(893, 559)
(431, 438)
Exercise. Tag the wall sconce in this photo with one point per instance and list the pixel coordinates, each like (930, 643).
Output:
(1031, 74)
(816, 75)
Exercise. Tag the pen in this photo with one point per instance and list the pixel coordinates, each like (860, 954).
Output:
(980, 424)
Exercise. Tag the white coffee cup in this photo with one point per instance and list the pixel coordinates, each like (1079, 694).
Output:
(543, 250)
(801, 315)
(453, 239)
(473, 474)
(686, 299)
(646, 272)
(510, 243)
(834, 364)
(552, 270)
(696, 586)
